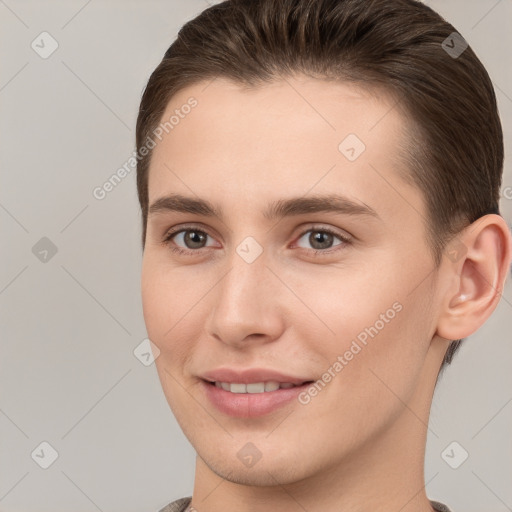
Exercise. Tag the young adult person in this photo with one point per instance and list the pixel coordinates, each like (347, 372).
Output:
(319, 184)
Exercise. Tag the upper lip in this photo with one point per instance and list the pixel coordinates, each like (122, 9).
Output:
(250, 375)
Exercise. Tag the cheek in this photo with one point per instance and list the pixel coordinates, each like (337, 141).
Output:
(152, 308)
(170, 306)
(379, 334)
(372, 379)
(160, 300)
(162, 310)
(351, 303)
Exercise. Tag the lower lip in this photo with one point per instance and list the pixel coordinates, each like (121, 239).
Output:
(250, 405)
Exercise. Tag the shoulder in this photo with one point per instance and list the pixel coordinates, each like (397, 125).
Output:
(178, 505)
(439, 507)
(181, 504)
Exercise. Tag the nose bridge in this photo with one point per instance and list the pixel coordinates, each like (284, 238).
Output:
(241, 291)
(246, 298)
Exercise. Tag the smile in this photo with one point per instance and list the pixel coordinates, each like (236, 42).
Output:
(252, 399)
(255, 387)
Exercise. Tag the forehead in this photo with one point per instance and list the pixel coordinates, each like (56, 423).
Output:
(284, 138)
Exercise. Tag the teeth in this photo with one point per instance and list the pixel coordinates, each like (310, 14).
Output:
(271, 386)
(238, 388)
(254, 387)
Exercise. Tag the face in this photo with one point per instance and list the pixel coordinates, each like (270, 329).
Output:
(336, 306)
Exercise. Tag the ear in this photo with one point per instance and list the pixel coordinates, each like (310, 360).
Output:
(476, 266)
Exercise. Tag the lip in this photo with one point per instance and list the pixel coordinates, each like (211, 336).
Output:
(250, 405)
(251, 375)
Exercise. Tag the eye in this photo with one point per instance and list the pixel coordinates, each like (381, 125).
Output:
(189, 240)
(321, 239)
(192, 238)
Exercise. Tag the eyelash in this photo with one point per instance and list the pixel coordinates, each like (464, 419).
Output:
(315, 252)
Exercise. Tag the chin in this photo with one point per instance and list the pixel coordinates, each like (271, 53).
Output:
(262, 474)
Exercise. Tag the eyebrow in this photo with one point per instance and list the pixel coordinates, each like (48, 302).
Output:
(332, 203)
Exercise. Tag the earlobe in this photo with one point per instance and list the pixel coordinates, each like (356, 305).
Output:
(477, 278)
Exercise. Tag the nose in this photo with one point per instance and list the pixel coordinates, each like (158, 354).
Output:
(248, 304)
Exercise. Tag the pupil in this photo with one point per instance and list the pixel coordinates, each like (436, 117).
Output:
(195, 235)
(314, 238)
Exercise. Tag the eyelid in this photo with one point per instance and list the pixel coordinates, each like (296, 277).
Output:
(185, 227)
(344, 237)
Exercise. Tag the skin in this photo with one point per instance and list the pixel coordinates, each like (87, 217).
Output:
(359, 444)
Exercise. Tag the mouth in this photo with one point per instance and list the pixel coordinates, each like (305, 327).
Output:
(253, 399)
(256, 387)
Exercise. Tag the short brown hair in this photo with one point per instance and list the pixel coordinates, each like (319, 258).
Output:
(455, 149)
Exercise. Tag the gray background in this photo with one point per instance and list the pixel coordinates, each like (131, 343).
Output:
(68, 374)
